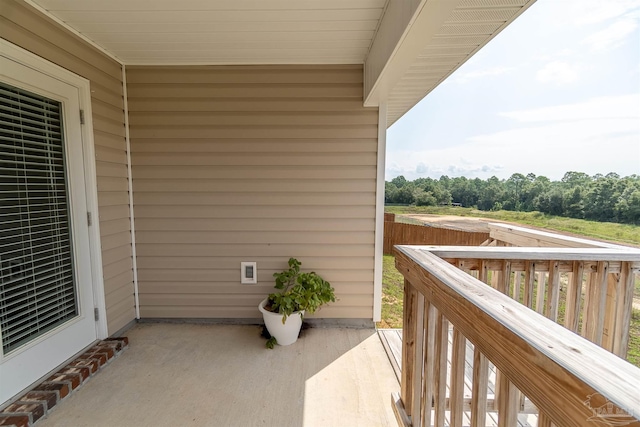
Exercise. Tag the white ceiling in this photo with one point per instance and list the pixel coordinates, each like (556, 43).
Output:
(225, 31)
(216, 32)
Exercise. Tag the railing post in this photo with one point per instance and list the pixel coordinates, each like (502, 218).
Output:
(408, 346)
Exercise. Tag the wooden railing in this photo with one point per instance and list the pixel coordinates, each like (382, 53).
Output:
(513, 235)
(594, 287)
(397, 233)
(539, 363)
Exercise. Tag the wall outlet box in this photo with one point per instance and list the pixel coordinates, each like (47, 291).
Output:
(248, 273)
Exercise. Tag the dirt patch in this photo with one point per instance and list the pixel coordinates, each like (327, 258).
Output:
(453, 222)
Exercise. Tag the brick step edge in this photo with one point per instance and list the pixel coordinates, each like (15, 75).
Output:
(35, 404)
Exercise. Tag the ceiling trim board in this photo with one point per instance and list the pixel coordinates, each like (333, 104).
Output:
(73, 30)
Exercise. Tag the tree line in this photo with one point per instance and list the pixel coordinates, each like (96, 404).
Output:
(609, 198)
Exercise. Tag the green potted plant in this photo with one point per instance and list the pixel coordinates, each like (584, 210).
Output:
(297, 293)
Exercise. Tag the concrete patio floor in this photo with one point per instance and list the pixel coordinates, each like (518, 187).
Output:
(222, 375)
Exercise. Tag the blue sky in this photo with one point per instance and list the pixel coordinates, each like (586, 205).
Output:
(558, 90)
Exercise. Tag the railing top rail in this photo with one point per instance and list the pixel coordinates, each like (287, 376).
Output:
(522, 253)
(531, 237)
(557, 369)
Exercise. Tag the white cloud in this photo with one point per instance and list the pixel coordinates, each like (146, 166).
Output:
(614, 35)
(558, 72)
(587, 12)
(604, 107)
(471, 75)
(597, 136)
(436, 169)
(552, 149)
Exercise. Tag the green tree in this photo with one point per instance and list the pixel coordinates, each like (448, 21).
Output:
(601, 199)
(491, 194)
(424, 198)
(390, 192)
(514, 189)
(574, 202)
(399, 181)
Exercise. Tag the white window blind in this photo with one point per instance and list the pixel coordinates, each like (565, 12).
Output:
(37, 286)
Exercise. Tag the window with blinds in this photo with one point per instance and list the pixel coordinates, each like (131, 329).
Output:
(37, 286)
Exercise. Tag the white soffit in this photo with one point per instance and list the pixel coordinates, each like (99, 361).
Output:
(228, 32)
(168, 32)
(471, 25)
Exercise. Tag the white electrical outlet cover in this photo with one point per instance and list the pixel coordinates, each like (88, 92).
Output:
(248, 273)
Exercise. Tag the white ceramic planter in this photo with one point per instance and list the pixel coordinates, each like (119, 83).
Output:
(286, 333)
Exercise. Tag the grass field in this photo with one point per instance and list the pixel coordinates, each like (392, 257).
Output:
(622, 233)
(393, 281)
(392, 294)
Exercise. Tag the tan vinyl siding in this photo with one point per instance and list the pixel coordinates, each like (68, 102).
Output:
(251, 163)
(29, 29)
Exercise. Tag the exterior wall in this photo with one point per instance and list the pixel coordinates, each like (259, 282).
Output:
(27, 28)
(250, 163)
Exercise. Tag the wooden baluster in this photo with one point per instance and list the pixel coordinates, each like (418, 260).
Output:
(495, 278)
(456, 393)
(479, 389)
(613, 281)
(418, 360)
(543, 420)
(504, 277)
(624, 307)
(541, 291)
(508, 404)
(516, 286)
(458, 359)
(553, 293)
(408, 345)
(529, 282)
(602, 277)
(506, 394)
(430, 323)
(574, 296)
(516, 296)
(589, 300)
(483, 272)
(503, 286)
(440, 371)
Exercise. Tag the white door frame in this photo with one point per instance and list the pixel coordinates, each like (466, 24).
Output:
(41, 65)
